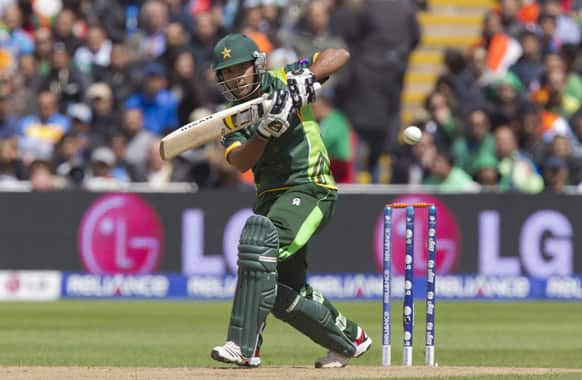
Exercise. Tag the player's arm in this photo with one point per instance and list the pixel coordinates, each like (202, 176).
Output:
(244, 156)
(328, 62)
(301, 79)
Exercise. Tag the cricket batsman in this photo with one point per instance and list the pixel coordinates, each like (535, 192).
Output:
(296, 195)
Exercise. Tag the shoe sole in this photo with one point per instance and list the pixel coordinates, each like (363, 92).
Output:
(365, 347)
(317, 365)
(216, 356)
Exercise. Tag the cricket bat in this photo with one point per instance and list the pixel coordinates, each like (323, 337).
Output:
(222, 123)
(225, 122)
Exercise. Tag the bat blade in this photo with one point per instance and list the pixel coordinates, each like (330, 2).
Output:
(202, 131)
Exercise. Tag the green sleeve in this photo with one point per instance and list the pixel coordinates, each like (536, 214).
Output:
(450, 128)
(459, 152)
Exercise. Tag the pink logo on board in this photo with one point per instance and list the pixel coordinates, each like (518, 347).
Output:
(120, 233)
(448, 237)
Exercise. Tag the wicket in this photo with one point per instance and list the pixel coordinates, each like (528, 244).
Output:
(408, 308)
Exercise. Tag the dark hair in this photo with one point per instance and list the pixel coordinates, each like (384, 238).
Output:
(545, 17)
(454, 60)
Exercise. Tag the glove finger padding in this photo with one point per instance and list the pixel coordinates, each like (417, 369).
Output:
(301, 87)
(276, 122)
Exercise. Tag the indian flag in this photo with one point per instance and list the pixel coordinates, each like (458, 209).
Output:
(503, 52)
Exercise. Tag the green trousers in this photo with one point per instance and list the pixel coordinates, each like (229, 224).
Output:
(299, 213)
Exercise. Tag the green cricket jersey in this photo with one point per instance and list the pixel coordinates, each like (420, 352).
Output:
(296, 157)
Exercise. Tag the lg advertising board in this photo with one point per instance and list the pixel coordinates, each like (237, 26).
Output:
(122, 233)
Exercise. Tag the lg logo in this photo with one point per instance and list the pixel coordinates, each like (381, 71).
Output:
(120, 233)
(545, 245)
(194, 261)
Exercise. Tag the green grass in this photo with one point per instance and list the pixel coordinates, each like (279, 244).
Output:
(173, 334)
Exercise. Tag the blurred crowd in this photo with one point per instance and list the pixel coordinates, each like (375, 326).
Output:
(506, 113)
(88, 88)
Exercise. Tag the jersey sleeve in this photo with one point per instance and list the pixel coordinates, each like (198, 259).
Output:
(232, 141)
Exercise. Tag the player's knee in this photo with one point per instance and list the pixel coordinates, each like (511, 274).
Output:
(259, 245)
(287, 298)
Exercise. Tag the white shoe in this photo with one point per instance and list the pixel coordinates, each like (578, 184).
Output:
(230, 353)
(336, 360)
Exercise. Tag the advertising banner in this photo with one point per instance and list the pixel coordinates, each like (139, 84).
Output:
(30, 285)
(345, 286)
(122, 233)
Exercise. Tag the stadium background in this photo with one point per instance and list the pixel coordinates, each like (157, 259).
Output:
(89, 210)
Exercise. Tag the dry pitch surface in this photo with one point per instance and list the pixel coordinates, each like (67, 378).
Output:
(354, 372)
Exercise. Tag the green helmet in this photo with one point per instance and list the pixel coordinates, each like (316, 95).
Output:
(232, 50)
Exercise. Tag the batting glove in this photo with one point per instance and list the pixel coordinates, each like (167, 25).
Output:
(301, 87)
(276, 121)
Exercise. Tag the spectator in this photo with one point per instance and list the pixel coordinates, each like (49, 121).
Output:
(8, 121)
(67, 157)
(567, 31)
(121, 170)
(478, 66)
(555, 175)
(158, 172)
(448, 178)
(576, 123)
(486, 173)
(100, 177)
(96, 51)
(121, 75)
(12, 169)
(443, 124)
(560, 147)
(63, 31)
(412, 164)
(138, 142)
(550, 42)
(502, 49)
(339, 139)
(462, 81)
(25, 84)
(80, 116)
(158, 104)
(529, 134)
(106, 120)
(508, 11)
(529, 67)
(186, 86)
(177, 13)
(15, 40)
(204, 37)
(40, 132)
(150, 43)
(506, 99)
(478, 143)
(517, 172)
(42, 177)
(315, 35)
(177, 42)
(44, 43)
(64, 80)
(118, 17)
(370, 92)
